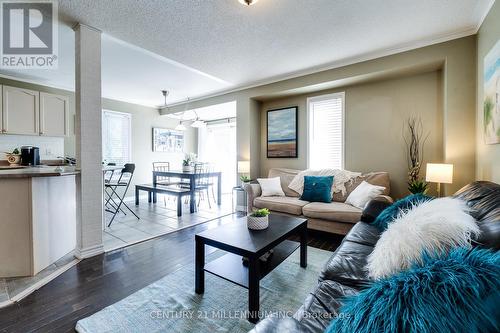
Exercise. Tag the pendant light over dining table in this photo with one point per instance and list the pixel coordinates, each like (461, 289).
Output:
(180, 126)
(198, 123)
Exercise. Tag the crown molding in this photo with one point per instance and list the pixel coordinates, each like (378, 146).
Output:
(38, 83)
(468, 31)
(483, 15)
(79, 25)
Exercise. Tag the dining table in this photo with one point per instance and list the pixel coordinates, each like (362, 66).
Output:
(191, 176)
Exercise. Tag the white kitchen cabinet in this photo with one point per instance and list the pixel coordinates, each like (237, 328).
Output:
(20, 111)
(54, 113)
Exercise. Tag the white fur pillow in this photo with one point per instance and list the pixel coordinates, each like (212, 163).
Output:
(432, 227)
(271, 187)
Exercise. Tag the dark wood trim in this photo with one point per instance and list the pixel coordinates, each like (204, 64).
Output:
(296, 132)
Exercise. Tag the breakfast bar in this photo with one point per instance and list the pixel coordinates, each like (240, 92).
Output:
(37, 217)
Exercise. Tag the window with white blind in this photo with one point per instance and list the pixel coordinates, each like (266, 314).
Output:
(116, 137)
(325, 118)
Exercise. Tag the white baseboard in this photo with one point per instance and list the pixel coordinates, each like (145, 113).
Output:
(89, 251)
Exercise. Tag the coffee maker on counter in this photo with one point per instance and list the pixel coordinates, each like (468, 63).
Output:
(30, 155)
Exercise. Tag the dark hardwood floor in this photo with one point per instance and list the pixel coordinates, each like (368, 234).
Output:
(100, 281)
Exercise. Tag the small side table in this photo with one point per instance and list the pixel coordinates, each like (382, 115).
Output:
(243, 208)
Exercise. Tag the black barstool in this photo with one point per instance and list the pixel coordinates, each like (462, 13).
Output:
(123, 182)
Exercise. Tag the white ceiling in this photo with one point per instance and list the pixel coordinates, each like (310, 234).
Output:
(140, 75)
(195, 48)
(129, 73)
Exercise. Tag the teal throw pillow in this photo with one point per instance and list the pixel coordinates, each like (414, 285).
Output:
(317, 189)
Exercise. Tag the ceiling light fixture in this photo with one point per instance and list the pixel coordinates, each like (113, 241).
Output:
(248, 2)
(180, 127)
(165, 94)
(198, 123)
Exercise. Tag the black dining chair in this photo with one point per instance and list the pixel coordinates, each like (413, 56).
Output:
(123, 183)
(202, 181)
(162, 180)
(162, 166)
(211, 180)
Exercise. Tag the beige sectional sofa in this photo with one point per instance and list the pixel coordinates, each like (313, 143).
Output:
(335, 217)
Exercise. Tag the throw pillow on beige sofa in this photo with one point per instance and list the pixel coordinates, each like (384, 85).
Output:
(335, 217)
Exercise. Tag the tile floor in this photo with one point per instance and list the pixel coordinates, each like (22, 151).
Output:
(158, 219)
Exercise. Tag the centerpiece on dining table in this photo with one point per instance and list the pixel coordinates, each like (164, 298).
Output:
(188, 162)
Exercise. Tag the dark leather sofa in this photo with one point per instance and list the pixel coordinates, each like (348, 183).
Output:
(345, 274)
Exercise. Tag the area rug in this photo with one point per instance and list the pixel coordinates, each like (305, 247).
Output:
(171, 305)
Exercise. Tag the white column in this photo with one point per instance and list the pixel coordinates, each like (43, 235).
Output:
(89, 193)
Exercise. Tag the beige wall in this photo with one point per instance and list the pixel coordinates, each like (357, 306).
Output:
(374, 117)
(487, 156)
(456, 58)
(143, 120)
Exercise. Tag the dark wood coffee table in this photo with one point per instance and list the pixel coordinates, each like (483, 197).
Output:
(240, 241)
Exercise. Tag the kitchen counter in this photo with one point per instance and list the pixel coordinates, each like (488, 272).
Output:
(38, 218)
(37, 171)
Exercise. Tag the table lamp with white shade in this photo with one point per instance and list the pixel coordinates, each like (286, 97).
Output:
(439, 173)
(244, 169)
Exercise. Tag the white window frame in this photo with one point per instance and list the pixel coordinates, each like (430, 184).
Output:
(310, 100)
(129, 117)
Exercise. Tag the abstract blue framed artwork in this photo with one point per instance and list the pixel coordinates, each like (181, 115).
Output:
(491, 104)
(282, 133)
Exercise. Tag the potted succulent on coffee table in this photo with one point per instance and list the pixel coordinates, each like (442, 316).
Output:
(259, 219)
(14, 157)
